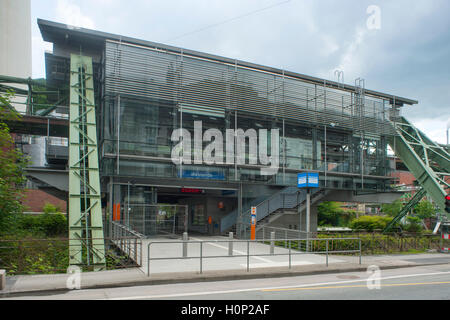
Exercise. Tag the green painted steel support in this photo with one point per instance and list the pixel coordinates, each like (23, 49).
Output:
(425, 159)
(86, 238)
(406, 208)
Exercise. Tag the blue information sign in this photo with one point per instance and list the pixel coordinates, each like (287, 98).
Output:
(308, 180)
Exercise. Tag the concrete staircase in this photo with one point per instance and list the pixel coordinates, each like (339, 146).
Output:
(275, 215)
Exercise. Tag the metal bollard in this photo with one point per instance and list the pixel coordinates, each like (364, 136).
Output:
(230, 244)
(185, 244)
(2, 279)
(272, 242)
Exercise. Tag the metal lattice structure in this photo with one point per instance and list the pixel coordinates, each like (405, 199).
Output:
(85, 215)
(425, 159)
(406, 208)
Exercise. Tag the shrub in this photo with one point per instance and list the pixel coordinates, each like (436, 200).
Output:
(414, 224)
(370, 223)
(46, 225)
(331, 214)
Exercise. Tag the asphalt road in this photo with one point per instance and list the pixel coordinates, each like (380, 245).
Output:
(416, 283)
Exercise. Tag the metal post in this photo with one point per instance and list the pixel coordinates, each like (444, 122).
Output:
(248, 256)
(185, 245)
(201, 257)
(148, 259)
(359, 251)
(135, 250)
(128, 204)
(308, 216)
(230, 244)
(289, 254)
(272, 242)
(325, 154)
(186, 221)
(285, 237)
(327, 251)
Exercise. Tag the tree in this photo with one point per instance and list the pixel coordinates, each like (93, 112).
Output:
(392, 209)
(12, 165)
(330, 213)
(424, 210)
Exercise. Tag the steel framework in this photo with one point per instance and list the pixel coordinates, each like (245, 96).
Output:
(425, 159)
(87, 246)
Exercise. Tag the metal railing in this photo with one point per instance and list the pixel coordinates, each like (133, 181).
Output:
(51, 256)
(128, 241)
(322, 246)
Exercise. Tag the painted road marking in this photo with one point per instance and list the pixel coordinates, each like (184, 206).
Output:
(359, 286)
(273, 288)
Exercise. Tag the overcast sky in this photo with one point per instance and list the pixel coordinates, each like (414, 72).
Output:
(406, 52)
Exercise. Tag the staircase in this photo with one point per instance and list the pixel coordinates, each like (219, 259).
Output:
(287, 208)
(269, 209)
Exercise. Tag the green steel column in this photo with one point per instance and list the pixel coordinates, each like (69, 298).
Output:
(85, 214)
(427, 161)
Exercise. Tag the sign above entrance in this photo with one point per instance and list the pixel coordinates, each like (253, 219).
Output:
(192, 190)
(308, 180)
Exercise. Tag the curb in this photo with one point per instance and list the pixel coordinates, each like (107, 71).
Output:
(206, 278)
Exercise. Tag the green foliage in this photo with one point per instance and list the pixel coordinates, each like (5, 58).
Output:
(331, 214)
(12, 165)
(392, 209)
(414, 224)
(424, 210)
(44, 225)
(370, 223)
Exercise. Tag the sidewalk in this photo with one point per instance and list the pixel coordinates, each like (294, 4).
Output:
(35, 284)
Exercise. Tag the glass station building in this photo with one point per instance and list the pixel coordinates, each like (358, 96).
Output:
(145, 91)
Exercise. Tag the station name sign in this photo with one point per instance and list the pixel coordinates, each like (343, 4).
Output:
(308, 180)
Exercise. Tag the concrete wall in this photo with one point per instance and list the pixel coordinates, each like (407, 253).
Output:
(15, 38)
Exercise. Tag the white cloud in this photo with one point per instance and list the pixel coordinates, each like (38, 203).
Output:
(435, 129)
(69, 13)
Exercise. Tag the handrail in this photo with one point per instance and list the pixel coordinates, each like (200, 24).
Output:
(248, 255)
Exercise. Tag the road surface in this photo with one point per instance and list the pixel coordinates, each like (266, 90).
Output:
(425, 282)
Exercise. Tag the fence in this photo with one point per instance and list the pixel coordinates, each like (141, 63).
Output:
(321, 246)
(50, 256)
(372, 242)
(128, 241)
(150, 220)
(385, 243)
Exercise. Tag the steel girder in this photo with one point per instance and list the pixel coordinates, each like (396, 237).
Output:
(86, 238)
(425, 159)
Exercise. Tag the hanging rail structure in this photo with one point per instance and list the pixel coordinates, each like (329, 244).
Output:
(86, 243)
(426, 160)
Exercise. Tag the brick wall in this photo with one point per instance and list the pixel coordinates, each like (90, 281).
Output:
(35, 200)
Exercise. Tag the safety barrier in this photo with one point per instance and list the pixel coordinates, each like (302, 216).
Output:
(321, 247)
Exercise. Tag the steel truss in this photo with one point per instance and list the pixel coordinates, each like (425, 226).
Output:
(426, 160)
(86, 236)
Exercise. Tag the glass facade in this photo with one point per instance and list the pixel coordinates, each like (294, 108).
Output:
(149, 94)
